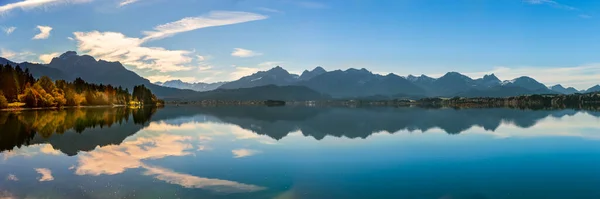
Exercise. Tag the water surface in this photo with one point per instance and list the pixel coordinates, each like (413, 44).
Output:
(300, 152)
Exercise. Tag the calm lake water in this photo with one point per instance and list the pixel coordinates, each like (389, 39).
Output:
(300, 152)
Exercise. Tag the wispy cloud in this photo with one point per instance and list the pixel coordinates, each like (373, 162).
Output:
(9, 30)
(269, 10)
(15, 56)
(126, 2)
(557, 5)
(44, 32)
(240, 52)
(550, 3)
(240, 153)
(215, 18)
(31, 4)
(190, 181)
(46, 174)
(46, 58)
(115, 46)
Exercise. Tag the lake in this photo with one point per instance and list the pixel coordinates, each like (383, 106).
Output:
(295, 152)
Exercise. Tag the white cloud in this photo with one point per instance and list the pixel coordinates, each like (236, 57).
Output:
(31, 4)
(15, 56)
(46, 174)
(31, 151)
(158, 140)
(115, 159)
(269, 10)
(190, 181)
(48, 149)
(12, 177)
(125, 2)
(550, 3)
(580, 77)
(215, 18)
(44, 32)
(9, 30)
(7, 53)
(240, 153)
(240, 52)
(115, 46)
(46, 58)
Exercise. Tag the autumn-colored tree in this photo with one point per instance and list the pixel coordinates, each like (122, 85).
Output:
(3, 101)
(19, 85)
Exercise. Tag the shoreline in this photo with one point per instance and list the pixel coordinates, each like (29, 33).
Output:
(57, 108)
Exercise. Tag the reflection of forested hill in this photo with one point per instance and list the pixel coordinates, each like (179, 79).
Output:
(74, 130)
(318, 122)
(71, 130)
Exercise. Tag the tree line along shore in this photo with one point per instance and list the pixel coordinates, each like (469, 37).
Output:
(19, 89)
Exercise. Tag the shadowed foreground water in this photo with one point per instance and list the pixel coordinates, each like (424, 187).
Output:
(300, 152)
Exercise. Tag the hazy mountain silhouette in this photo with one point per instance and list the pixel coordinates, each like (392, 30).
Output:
(593, 89)
(37, 70)
(560, 89)
(527, 83)
(199, 86)
(351, 83)
(488, 81)
(75, 130)
(70, 66)
(307, 75)
(363, 84)
(452, 83)
(360, 83)
(318, 122)
(275, 76)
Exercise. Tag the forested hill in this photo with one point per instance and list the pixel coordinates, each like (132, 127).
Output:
(19, 88)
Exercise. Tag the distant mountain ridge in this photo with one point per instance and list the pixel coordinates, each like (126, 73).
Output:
(199, 86)
(275, 76)
(342, 84)
(559, 88)
(70, 66)
(363, 84)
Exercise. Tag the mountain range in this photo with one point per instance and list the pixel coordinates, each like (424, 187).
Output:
(70, 66)
(200, 87)
(361, 83)
(275, 83)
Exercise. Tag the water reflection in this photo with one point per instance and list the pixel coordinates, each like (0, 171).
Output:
(64, 129)
(318, 122)
(77, 130)
(296, 152)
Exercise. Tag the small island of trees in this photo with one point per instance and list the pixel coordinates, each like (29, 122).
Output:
(18, 88)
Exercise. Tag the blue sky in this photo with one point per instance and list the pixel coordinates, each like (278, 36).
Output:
(218, 40)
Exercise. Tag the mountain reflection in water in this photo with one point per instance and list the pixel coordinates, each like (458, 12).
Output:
(297, 152)
(74, 130)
